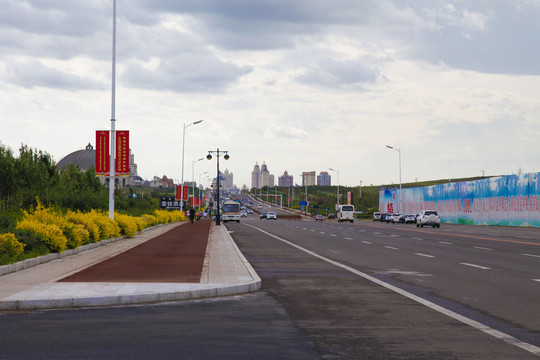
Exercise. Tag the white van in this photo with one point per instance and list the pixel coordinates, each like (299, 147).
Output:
(345, 213)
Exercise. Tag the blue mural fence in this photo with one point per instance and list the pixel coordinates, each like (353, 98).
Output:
(512, 200)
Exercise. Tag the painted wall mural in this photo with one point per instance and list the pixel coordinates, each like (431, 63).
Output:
(506, 200)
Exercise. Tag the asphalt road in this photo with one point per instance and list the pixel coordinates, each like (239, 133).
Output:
(487, 275)
(320, 300)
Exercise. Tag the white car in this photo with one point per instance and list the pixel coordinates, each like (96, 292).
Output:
(428, 217)
(271, 215)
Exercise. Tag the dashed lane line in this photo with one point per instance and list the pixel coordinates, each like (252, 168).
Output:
(538, 256)
(425, 255)
(367, 242)
(475, 324)
(482, 248)
(391, 247)
(476, 266)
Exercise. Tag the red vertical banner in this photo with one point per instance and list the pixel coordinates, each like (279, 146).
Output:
(122, 153)
(179, 192)
(102, 153)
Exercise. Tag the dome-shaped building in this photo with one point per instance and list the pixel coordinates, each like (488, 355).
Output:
(81, 158)
(86, 158)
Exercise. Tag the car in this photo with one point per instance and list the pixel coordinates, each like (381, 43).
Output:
(377, 216)
(259, 206)
(249, 211)
(331, 216)
(428, 217)
(319, 217)
(243, 213)
(262, 215)
(407, 219)
(271, 215)
(395, 218)
(389, 218)
(383, 217)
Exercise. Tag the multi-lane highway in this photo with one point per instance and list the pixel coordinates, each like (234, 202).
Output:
(485, 278)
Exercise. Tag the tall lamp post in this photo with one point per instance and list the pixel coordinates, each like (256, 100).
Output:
(337, 171)
(183, 143)
(193, 177)
(399, 195)
(113, 120)
(209, 157)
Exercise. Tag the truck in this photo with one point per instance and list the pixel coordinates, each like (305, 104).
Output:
(230, 211)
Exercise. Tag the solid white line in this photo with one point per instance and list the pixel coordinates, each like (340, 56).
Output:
(538, 256)
(391, 247)
(475, 324)
(426, 255)
(476, 266)
(482, 248)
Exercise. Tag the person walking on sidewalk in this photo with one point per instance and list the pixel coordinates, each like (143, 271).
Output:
(191, 215)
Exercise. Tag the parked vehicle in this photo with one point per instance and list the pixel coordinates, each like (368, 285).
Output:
(331, 216)
(271, 215)
(383, 217)
(319, 217)
(346, 213)
(428, 217)
(377, 216)
(395, 218)
(389, 218)
(407, 218)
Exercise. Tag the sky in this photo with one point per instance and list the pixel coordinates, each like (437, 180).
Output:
(302, 85)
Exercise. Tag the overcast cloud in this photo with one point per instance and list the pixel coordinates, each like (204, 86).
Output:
(302, 85)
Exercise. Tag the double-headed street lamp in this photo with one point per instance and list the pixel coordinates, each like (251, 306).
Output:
(399, 195)
(209, 157)
(183, 143)
(337, 171)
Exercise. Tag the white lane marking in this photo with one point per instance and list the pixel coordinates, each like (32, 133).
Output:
(538, 256)
(476, 266)
(445, 242)
(536, 280)
(482, 248)
(475, 324)
(348, 238)
(304, 228)
(334, 251)
(322, 232)
(394, 235)
(334, 235)
(361, 230)
(312, 230)
(417, 239)
(367, 242)
(391, 248)
(425, 255)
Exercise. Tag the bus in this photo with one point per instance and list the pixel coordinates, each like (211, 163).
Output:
(230, 211)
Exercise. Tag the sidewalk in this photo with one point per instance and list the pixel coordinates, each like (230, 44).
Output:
(225, 271)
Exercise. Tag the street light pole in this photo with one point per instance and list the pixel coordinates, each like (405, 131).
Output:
(399, 195)
(193, 177)
(183, 143)
(113, 120)
(199, 198)
(209, 157)
(337, 171)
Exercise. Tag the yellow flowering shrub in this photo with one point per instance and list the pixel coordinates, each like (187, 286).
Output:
(76, 234)
(87, 221)
(10, 245)
(127, 224)
(166, 216)
(51, 235)
(108, 228)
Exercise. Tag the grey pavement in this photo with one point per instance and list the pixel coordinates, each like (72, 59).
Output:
(32, 285)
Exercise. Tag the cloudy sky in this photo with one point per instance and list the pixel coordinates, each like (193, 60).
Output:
(302, 85)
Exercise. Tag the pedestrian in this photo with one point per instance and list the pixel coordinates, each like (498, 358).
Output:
(191, 215)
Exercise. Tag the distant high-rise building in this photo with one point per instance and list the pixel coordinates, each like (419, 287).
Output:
(308, 178)
(266, 178)
(324, 179)
(255, 177)
(228, 179)
(285, 180)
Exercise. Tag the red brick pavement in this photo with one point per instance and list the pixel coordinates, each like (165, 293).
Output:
(175, 256)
